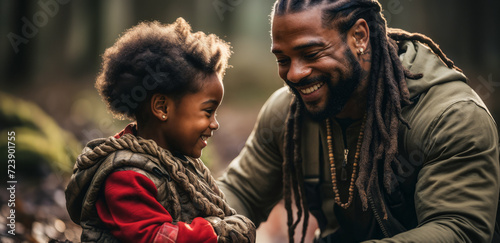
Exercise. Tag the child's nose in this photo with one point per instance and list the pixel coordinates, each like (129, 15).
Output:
(214, 124)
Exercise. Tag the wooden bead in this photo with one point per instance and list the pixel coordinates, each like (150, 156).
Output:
(333, 172)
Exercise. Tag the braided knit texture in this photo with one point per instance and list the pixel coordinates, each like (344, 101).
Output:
(206, 197)
(190, 180)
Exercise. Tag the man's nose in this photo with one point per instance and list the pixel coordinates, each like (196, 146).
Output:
(297, 71)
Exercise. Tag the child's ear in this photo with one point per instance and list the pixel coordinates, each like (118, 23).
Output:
(160, 106)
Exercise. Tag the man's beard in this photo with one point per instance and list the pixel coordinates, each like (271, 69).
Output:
(338, 94)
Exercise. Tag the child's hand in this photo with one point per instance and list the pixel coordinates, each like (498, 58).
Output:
(235, 228)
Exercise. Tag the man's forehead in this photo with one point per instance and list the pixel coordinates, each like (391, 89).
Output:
(296, 23)
(298, 30)
(288, 20)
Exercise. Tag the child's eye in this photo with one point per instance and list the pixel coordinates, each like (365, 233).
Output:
(209, 111)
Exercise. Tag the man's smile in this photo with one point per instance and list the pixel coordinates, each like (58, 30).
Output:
(310, 89)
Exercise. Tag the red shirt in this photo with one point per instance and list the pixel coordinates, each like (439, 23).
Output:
(130, 210)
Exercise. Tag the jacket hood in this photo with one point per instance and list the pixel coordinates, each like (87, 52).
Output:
(103, 156)
(80, 182)
(91, 160)
(419, 58)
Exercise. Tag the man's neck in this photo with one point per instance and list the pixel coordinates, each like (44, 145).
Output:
(354, 111)
(355, 107)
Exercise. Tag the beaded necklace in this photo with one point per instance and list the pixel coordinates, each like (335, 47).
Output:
(354, 165)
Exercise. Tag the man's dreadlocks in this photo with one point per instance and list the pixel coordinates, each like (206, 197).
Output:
(388, 93)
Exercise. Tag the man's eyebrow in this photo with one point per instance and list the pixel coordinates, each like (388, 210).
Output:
(307, 45)
(302, 46)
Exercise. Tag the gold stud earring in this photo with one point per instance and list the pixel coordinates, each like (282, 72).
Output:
(164, 117)
(361, 51)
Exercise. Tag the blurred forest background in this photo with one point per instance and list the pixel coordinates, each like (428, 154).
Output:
(50, 55)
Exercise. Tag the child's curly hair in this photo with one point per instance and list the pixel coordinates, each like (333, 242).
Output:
(154, 58)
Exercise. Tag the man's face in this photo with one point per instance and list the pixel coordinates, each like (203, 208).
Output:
(315, 62)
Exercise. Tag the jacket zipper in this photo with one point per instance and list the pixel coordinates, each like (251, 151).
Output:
(377, 217)
(343, 175)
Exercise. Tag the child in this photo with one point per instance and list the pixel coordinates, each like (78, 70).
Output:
(146, 184)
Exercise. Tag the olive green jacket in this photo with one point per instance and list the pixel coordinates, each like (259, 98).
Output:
(449, 189)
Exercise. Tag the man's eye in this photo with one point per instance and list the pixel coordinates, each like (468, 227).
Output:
(282, 61)
(311, 55)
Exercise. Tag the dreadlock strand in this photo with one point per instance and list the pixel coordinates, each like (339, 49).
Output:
(400, 72)
(373, 179)
(377, 192)
(365, 155)
(297, 164)
(391, 152)
(281, 6)
(388, 105)
(365, 162)
(286, 167)
(391, 74)
(379, 96)
(393, 133)
(300, 199)
(400, 78)
(401, 95)
(315, 2)
(399, 34)
(410, 75)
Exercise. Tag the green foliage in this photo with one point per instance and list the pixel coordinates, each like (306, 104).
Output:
(39, 141)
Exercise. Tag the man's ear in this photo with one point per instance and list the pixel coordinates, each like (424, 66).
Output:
(160, 106)
(358, 37)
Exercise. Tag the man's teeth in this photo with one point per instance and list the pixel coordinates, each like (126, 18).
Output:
(311, 89)
(204, 138)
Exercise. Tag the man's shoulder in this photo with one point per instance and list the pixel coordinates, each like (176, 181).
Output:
(440, 97)
(447, 103)
(277, 105)
(280, 98)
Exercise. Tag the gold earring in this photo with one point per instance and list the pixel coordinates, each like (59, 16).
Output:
(164, 117)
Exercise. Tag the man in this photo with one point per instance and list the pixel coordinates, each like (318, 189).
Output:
(380, 138)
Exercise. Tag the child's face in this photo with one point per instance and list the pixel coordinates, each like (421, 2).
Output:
(192, 120)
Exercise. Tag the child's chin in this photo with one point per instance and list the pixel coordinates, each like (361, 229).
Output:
(196, 155)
